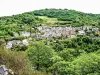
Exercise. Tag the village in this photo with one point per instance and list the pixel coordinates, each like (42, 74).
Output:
(47, 32)
(69, 32)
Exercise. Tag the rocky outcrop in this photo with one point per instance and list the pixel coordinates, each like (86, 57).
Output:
(12, 43)
(5, 71)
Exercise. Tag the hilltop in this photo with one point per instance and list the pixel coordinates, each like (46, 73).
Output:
(69, 17)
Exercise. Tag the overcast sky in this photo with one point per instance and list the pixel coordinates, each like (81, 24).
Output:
(10, 7)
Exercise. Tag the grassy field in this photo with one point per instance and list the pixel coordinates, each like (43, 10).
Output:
(48, 21)
(52, 21)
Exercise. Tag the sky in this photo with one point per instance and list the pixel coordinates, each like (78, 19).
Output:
(12, 7)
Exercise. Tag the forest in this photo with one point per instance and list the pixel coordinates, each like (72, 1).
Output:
(71, 17)
(50, 56)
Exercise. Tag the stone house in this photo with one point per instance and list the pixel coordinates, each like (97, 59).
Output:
(81, 32)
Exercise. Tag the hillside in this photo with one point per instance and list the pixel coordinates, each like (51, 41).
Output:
(48, 17)
(18, 23)
(51, 42)
(70, 17)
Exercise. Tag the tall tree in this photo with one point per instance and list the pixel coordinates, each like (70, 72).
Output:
(40, 56)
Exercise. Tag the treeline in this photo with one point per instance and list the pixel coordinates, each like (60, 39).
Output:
(83, 43)
(72, 17)
(17, 23)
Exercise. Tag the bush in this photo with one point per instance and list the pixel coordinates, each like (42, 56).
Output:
(17, 61)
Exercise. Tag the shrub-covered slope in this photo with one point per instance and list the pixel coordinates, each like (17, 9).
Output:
(72, 17)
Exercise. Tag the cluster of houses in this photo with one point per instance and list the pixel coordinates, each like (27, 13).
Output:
(70, 32)
(12, 43)
(51, 32)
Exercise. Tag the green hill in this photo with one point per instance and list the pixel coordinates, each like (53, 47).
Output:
(70, 17)
(15, 23)
(51, 17)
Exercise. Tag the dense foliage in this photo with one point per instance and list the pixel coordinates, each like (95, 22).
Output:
(71, 17)
(86, 44)
(78, 56)
(17, 23)
(40, 56)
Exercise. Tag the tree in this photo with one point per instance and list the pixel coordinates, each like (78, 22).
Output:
(86, 64)
(60, 68)
(40, 56)
(68, 54)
